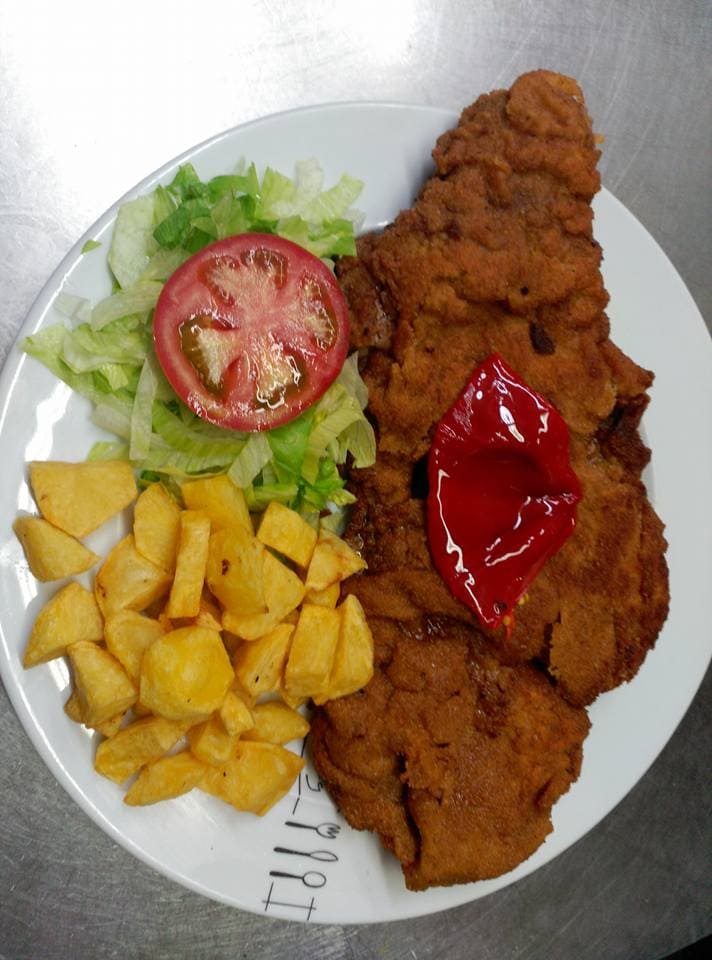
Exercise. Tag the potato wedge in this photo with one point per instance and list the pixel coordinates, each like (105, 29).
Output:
(185, 674)
(128, 636)
(328, 597)
(210, 742)
(209, 614)
(73, 709)
(156, 526)
(127, 580)
(109, 727)
(235, 571)
(51, 553)
(312, 652)
(293, 701)
(353, 661)
(103, 686)
(191, 561)
(71, 615)
(259, 664)
(235, 715)
(333, 560)
(223, 502)
(79, 497)
(275, 722)
(164, 779)
(131, 748)
(259, 775)
(288, 533)
(284, 591)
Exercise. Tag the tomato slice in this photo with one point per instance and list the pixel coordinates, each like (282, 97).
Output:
(250, 331)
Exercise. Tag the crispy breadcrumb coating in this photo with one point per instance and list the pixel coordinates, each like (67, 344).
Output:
(456, 751)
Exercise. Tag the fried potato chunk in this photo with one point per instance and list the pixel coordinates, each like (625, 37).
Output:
(103, 687)
(156, 526)
(79, 497)
(353, 660)
(140, 743)
(259, 663)
(73, 709)
(128, 636)
(164, 779)
(255, 779)
(328, 597)
(333, 560)
(288, 533)
(210, 742)
(223, 502)
(71, 615)
(283, 591)
(312, 652)
(51, 553)
(275, 722)
(169, 601)
(235, 571)
(208, 615)
(191, 562)
(236, 716)
(292, 700)
(109, 727)
(185, 674)
(127, 580)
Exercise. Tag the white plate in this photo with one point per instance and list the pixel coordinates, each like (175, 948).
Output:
(206, 845)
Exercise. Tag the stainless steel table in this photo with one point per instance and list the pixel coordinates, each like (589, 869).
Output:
(95, 95)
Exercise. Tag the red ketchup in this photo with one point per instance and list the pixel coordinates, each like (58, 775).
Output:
(502, 494)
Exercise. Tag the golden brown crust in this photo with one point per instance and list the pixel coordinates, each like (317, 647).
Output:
(452, 757)
(497, 254)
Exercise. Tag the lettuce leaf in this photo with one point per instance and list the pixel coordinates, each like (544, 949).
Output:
(248, 464)
(137, 299)
(190, 214)
(132, 243)
(142, 411)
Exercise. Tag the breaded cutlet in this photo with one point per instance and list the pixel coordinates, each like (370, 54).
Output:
(465, 731)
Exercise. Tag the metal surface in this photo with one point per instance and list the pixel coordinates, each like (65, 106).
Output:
(95, 95)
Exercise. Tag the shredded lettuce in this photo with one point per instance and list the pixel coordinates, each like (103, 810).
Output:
(72, 306)
(337, 411)
(114, 420)
(131, 242)
(106, 353)
(137, 299)
(109, 450)
(142, 412)
(281, 198)
(251, 460)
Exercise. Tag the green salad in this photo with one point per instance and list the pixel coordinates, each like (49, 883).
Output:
(106, 351)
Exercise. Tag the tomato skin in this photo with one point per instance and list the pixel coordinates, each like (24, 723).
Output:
(250, 331)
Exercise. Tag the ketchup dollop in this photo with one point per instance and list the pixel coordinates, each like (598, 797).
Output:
(502, 495)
